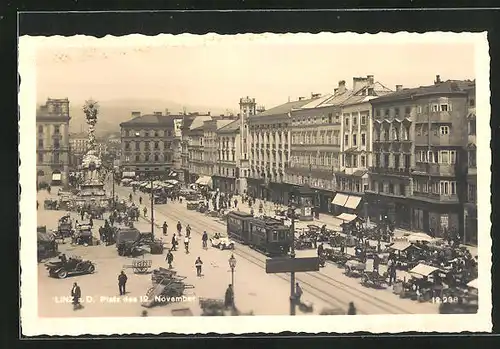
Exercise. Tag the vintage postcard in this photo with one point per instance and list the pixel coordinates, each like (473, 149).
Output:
(289, 181)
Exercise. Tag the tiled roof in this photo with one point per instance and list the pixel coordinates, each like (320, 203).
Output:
(283, 108)
(234, 125)
(151, 119)
(449, 86)
(199, 120)
(222, 123)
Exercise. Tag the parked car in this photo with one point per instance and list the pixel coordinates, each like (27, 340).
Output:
(222, 242)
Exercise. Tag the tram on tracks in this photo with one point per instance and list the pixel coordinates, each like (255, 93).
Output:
(267, 235)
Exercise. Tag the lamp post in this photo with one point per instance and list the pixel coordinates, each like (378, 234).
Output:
(291, 214)
(232, 265)
(152, 207)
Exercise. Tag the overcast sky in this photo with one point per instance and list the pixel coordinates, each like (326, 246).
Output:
(218, 75)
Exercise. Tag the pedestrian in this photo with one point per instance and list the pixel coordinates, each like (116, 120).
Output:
(82, 214)
(320, 250)
(376, 263)
(122, 280)
(76, 293)
(145, 210)
(111, 220)
(235, 203)
(186, 244)
(352, 309)
(179, 228)
(140, 200)
(91, 221)
(198, 264)
(174, 243)
(298, 293)
(165, 226)
(204, 239)
(229, 297)
(188, 231)
(170, 258)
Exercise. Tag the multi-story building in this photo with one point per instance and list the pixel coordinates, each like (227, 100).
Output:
(187, 120)
(146, 142)
(211, 144)
(419, 172)
(52, 148)
(195, 147)
(78, 143)
(228, 157)
(471, 201)
(356, 145)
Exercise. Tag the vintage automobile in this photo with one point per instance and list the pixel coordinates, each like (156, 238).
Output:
(83, 235)
(221, 242)
(46, 246)
(131, 242)
(354, 268)
(160, 199)
(64, 227)
(73, 266)
(193, 205)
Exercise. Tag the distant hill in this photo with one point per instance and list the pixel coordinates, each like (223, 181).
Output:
(113, 112)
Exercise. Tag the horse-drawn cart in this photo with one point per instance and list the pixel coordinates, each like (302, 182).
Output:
(167, 287)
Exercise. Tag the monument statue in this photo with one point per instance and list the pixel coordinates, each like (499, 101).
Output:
(91, 162)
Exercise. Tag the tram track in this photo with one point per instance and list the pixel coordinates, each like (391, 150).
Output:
(361, 298)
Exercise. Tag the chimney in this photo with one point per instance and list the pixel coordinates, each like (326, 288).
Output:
(167, 112)
(371, 79)
(399, 87)
(158, 113)
(136, 114)
(315, 95)
(438, 80)
(335, 91)
(301, 98)
(341, 88)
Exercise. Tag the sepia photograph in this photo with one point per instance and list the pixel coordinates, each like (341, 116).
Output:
(307, 177)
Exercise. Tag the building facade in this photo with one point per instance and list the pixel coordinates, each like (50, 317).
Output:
(228, 157)
(470, 213)
(248, 108)
(146, 144)
(269, 136)
(52, 148)
(195, 146)
(356, 146)
(78, 143)
(419, 172)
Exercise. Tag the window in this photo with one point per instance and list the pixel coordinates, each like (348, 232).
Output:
(387, 112)
(146, 157)
(346, 140)
(444, 107)
(56, 158)
(363, 139)
(363, 119)
(156, 158)
(377, 160)
(127, 145)
(419, 109)
(396, 112)
(472, 158)
(56, 144)
(453, 156)
(453, 188)
(127, 133)
(40, 157)
(354, 161)
(346, 122)
(391, 188)
(445, 157)
(472, 102)
(137, 146)
(156, 133)
(146, 134)
(157, 145)
(444, 130)
(402, 189)
(386, 160)
(472, 127)
(354, 121)
(40, 143)
(137, 158)
(435, 108)
(472, 192)
(396, 160)
(363, 161)
(377, 112)
(354, 140)
(56, 129)
(407, 111)
(40, 128)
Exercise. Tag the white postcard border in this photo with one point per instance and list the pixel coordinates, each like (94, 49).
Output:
(33, 325)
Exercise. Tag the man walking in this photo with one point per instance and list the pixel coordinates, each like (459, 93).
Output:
(174, 243)
(165, 226)
(170, 259)
(198, 264)
(122, 280)
(76, 293)
(145, 210)
(179, 228)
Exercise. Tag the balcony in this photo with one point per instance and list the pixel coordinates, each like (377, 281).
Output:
(390, 171)
(436, 197)
(434, 117)
(447, 170)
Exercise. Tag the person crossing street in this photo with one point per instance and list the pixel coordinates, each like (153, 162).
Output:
(170, 259)
(204, 239)
(179, 228)
(188, 231)
(174, 242)
(122, 281)
(186, 244)
(198, 264)
(165, 227)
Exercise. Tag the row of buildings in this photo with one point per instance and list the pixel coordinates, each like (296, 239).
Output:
(408, 153)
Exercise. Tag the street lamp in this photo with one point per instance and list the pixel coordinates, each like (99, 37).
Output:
(291, 215)
(232, 265)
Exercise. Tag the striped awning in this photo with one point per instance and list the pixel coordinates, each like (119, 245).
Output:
(340, 199)
(353, 202)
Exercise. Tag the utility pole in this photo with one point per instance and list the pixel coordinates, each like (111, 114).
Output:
(152, 206)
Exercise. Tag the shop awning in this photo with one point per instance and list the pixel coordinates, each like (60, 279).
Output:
(347, 217)
(128, 174)
(401, 245)
(204, 180)
(473, 284)
(172, 181)
(423, 270)
(56, 176)
(353, 202)
(340, 199)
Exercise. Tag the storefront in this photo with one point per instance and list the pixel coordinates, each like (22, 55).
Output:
(470, 229)
(255, 187)
(225, 184)
(205, 181)
(56, 178)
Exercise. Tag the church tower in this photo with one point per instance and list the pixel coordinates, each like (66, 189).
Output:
(247, 108)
